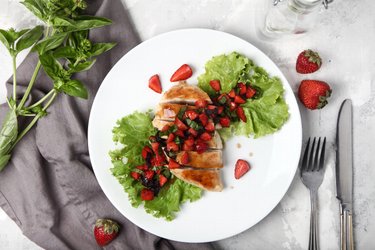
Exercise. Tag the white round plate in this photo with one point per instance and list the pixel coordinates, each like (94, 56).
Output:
(242, 203)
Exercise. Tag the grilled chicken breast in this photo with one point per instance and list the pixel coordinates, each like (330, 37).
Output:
(208, 179)
(208, 159)
(184, 93)
(168, 111)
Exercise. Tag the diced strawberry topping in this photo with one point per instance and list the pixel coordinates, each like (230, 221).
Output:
(203, 118)
(242, 167)
(191, 114)
(172, 146)
(210, 127)
(187, 147)
(171, 137)
(250, 92)
(155, 147)
(146, 151)
(165, 128)
(142, 167)
(189, 142)
(180, 125)
(159, 160)
(225, 121)
(149, 174)
(182, 73)
(180, 133)
(135, 175)
(241, 114)
(206, 136)
(147, 194)
(239, 100)
(154, 83)
(173, 164)
(193, 132)
(215, 85)
(220, 110)
(201, 103)
(232, 93)
(242, 88)
(162, 180)
(232, 106)
(201, 147)
(185, 158)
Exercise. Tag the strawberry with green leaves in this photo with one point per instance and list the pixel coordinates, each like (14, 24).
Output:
(314, 94)
(105, 231)
(308, 61)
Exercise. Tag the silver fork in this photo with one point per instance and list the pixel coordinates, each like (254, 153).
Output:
(312, 175)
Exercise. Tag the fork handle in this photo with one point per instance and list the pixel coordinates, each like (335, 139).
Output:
(313, 239)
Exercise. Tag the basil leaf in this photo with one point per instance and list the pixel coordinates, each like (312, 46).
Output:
(82, 66)
(74, 88)
(51, 66)
(88, 22)
(61, 22)
(4, 159)
(67, 52)
(4, 38)
(76, 37)
(99, 48)
(49, 43)
(8, 133)
(29, 38)
(36, 7)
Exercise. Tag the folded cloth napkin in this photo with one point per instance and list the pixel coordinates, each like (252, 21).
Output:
(49, 188)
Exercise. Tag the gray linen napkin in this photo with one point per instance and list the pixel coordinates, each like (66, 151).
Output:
(48, 188)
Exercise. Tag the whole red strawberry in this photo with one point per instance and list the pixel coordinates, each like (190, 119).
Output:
(105, 231)
(308, 61)
(313, 94)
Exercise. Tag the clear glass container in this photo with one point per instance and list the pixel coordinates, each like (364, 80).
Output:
(292, 16)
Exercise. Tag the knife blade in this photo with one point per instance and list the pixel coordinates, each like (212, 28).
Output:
(344, 172)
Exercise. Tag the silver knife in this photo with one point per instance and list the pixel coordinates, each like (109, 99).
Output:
(344, 173)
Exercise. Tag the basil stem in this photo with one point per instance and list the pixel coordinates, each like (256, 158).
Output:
(14, 79)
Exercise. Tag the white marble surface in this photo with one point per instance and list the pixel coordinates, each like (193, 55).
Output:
(344, 36)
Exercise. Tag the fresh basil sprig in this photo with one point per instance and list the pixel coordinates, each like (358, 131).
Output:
(63, 47)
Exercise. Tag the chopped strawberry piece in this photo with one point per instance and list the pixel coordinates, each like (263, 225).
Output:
(232, 93)
(180, 133)
(162, 180)
(182, 73)
(147, 194)
(203, 118)
(180, 125)
(242, 167)
(201, 147)
(232, 106)
(189, 142)
(135, 175)
(171, 137)
(201, 103)
(191, 114)
(193, 132)
(241, 114)
(211, 107)
(205, 136)
(242, 87)
(173, 164)
(142, 167)
(172, 146)
(165, 128)
(215, 85)
(185, 158)
(159, 160)
(250, 92)
(220, 110)
(187, 147)
(152, 138)
(155, 147)
(225, 121)
(210, 127)
(158, 171)
(146, 151)
(239, 100)
(149, 174)
(154, 83)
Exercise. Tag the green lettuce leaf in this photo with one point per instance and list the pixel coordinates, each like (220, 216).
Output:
(266, 113)
(132, 132)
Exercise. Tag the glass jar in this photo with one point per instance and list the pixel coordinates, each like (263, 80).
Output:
(292, 16)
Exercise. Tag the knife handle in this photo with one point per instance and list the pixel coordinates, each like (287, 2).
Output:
(350, 231)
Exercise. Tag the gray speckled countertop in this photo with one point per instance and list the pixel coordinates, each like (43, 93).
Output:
(344, 35)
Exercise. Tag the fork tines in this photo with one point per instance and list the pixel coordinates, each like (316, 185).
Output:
(313, 159)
